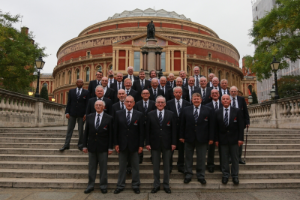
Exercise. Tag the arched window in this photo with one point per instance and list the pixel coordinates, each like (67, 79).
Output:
(63, 79)
(220, 75)
(70, 76)
(58, 81)
(227, 77)
(88, 54)
(209, 56)
(87, 77)
(77, 74)
(210, 70)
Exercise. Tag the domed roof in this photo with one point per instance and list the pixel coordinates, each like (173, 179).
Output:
(149, 12)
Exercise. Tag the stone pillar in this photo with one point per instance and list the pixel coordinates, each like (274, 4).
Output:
(105, 68)
(126, 59)
(117, 60)
(172, 60)
(114, 60)
(151, 61)
(181, 57)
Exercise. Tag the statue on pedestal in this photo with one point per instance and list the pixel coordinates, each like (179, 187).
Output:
(150, 31)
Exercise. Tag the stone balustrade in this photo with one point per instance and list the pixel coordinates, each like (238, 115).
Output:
(282, 113)
(18, 110)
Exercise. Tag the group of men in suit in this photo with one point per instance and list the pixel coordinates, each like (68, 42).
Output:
(131, 113)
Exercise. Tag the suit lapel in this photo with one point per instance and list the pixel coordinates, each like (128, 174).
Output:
(231, 116)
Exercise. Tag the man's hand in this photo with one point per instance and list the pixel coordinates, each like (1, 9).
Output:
(240, 143)
(85, 150)
(67, 116)
(248, 125)
(173, 147)
(110, 152)
(181, 140)
(148, 147)
(140, 149)
(210, 142)
(217, 144)
(117, 148)
(84, 118)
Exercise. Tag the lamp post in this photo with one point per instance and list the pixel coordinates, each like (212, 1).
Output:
(250, 99)
(160, 73)
(273, 93)
(39, 63)
(274, 66)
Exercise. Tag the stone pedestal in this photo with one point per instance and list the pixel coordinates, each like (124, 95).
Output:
(151, 55)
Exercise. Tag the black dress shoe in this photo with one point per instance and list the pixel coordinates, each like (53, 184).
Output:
(187, 180)
(80, 148)
(128, 171)
(224, 180)
(167, 190)
(88, 190)
(64, 148)
(235, 180)
(181, 171)
(202, 181)
(104, 191)
(118, 190)
(154, 190)
(242, 162)
(211, 170)
(136, 190)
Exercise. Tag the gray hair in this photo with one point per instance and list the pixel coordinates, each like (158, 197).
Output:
(130, 67)
(196, 67)
(177, 87)
(103, 102)
(99, 86)
(179, 78)
(203, 78)
(232, 87)
(154, 79)
(163, 77)
(215, 78)
(224, 80)
(160, 96)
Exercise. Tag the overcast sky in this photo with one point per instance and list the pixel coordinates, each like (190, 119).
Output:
(54, 22)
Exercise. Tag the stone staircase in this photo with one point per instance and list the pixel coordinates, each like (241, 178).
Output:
(30, 158)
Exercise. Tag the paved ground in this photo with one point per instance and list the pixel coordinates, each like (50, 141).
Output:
(65, 194)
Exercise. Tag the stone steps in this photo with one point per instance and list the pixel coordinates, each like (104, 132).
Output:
(147, 184)
(144, 174)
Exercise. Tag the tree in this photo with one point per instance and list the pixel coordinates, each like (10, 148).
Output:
(44, 93)
(254, 97)
(276, 34)
(288, 86)
(18, 53)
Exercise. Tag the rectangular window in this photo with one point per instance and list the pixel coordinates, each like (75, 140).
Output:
(61, 98)
(163, 61)
(136, 61)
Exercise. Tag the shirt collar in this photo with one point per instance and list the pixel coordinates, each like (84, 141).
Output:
(129, 111)
(146, 101)
(198, 107)
(226, 108)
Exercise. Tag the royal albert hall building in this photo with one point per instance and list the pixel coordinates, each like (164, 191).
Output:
(116, 44)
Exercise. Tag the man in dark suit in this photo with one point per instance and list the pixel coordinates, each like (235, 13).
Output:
(130, 75)
(76, 109)
(144, 106)
(129, 90)
(154, 90)
(229, 134)
(108, 92)
(176, 105)
(161, 139)
(185, 91)
(182, 75)
(224, 90)
(240, 103)
(129, 140)
(94, 83)
(140, 85)
(118, 84)
(209, 82)
(205, 91)
(192, 89)
(111, 79)
(196, 131)
(216, 85)
(98, 142)
(197, 76)
(120, 104)
(171, 83)
(163, 85)
(99, 96)
(215, 104)
(153, 75)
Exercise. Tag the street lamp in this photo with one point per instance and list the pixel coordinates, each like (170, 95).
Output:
(160, 73)
(250, 99)
(53, 99)
(273, 93)
(274, 66)
(39, 63)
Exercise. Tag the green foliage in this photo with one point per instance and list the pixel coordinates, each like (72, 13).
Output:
(254, 97)
(44, 93)
(276, 34)
(17, 55)
(288, 86)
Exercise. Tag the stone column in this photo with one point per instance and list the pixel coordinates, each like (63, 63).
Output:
(105, 68)
(113, 60)
(181, 57)
(117, 60)
(172, 60)
(126, 59)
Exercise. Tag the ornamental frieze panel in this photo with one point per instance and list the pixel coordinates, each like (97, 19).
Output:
(207, 45)
(142, 42)
(91, 43)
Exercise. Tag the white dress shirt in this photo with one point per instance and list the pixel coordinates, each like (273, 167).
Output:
(142, 81)
(120, 85)
(180, 103)
(121, 105)
(96, 117)
(132, 78)
(156, 91)
(190, 91)
(198, 110)
(210, 84)
(104, 89)
(112, 81)
(202, 91)
(147, 102)
(236, 102)
(163, 89)
(195, 76)
(127, 91)
(131, 111)
(80, 90)
(223, 91)
(224, 111)
(214, 103)
(217, 88)
(162, 113)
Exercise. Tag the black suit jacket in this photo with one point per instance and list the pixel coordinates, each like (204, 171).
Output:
(207, 98)
(134, 77)
(133, 93)
(234, 132)
(243, 107)
(196, 90)
(92, 87)
(212, 105)
(202, 130)
(139, 106)
(91, 106)
(77, 107)
(161, 136)
(116, 107)
(137, 87)
(220, 91)
(185, 94)
(159, 92)
(169, 84)
(129, 136)
(110, 94)
(115, 88)
(165, 91)
(98, 140)
(186, 82)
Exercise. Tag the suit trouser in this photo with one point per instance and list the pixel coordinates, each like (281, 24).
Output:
(156, 154)
(123, 160)
(71, 126)
(233, 151)
(211, 155)
(201, 157)
(180, 162)
(95, 159)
